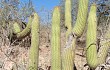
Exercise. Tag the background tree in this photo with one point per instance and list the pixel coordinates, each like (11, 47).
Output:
(13, 11)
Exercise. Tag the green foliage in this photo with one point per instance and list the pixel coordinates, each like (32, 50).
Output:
(34, 53)
(55, 41)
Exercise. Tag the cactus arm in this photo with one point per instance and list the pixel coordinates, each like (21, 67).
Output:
(33, 53)
(26, 31)
(16, 28)
(93, 58)
(91, 50)
(68, 17)
(81, 17)
(55, 42)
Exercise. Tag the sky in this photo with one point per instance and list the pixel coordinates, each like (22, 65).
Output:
(47, 5)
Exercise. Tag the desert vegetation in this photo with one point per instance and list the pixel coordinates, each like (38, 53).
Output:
(70, 42)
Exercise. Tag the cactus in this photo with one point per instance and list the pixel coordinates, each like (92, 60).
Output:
(33, 53)
(26, 31)
(55, 42)
(68, 17)
(93, 58)
(91, 50)
(105, 45)
(69, 51)
(103, 51)
(68, 55)
(16, 28)
(81, 17)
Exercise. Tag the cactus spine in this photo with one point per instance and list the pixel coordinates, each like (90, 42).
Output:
(33, 53)
(68, 17)
(55, 42)
(91, 50)
(81, 17)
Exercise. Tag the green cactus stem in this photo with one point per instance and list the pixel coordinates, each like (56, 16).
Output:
(104, 46)
(16, 28)
(93, 58)
(103, 51)
(69, 51)
(26, 31)
(33, 53)
(69, 54)
(91, 49)
(55, 42)
(81, 17)
(68, 17)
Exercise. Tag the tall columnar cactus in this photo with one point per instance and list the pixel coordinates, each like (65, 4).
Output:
(33, 53)
(91, 49)
(26, 31)
(94, 58)
(55, 42)
(69, 51)
(68, 17)
(81, 17)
